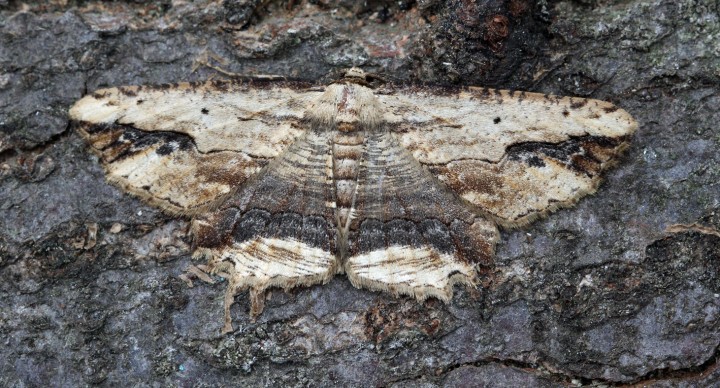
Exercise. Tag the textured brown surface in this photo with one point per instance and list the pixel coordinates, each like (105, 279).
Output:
(600, 293)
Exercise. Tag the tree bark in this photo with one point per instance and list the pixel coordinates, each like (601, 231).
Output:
(622, 289)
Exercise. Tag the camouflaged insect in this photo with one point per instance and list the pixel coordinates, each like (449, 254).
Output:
(400, 188)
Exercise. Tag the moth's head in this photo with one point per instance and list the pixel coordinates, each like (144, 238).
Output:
(354, 73)
(357, 75)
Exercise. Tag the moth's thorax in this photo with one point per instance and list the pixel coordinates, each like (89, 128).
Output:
(346, 107)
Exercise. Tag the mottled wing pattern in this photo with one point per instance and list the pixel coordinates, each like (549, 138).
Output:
(183, 146)
(410, 235)
(402, 190)
(277, 231)
(515, 156)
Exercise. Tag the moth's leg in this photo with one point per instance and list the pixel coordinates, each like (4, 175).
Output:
(193, 271)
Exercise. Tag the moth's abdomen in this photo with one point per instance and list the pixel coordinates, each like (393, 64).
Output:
(350, 111)
(348, 149)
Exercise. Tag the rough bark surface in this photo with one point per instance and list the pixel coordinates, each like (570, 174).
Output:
(612, 291)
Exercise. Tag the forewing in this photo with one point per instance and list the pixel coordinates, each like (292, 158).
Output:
(183, 146)
(514, 155)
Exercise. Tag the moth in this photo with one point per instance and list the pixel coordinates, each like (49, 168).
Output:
(402, 188)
